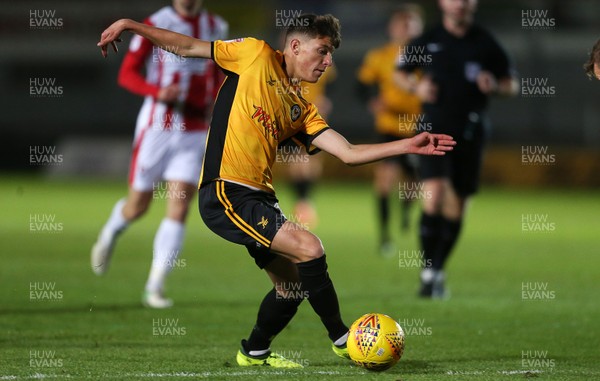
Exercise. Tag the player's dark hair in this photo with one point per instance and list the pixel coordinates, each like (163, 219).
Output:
(314, 26)
(593, 59)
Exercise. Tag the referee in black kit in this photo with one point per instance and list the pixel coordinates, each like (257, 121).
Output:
(453, 68)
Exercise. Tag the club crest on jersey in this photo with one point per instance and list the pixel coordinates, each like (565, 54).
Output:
(295, 112)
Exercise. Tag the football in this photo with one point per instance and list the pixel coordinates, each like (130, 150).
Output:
(375, 342)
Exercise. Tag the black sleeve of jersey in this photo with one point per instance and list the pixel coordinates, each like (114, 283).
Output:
(302, 139)
(499, 62)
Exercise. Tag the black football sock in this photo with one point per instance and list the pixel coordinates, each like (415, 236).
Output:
(384, 217)
(274, 314)
(449, 236)
(302, 188)
(321, 295)
(405, 214)
(429, 234)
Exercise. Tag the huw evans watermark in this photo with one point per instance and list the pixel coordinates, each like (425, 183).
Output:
(44, 291)
(45, 87)
(537, 223)
(535, 359)
(44, 19)
(290, 290)
(44, 155)
(537, 291)
(44, 223)
(537, 19)
(413, 259)
(44, 359)
(415, 327)
(167, 327)
(537, 155)
(285, 18)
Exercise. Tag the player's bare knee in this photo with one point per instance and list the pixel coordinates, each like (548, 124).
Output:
(312, 249)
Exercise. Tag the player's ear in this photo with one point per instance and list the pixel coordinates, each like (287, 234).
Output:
(295, 46)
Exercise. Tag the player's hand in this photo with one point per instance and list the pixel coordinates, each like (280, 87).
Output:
(432, 144)
(426, 90)
(168, 94)
(376, 105)
(486, 82)
(111, 36)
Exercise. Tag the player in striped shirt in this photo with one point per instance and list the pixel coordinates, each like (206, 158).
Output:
(169, 138)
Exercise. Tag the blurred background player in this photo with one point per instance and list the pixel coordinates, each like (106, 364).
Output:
(306, 170)
(169, 138)
(462, 66)
(394, 110)
(592, 66)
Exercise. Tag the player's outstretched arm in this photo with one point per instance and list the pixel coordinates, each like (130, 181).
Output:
(175, 43)
(357, 154)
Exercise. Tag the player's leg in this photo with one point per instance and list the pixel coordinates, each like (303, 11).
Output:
(305, 250)
(253, 218)
(123, 213)
(408, 176)
(145, 168)
(466, 168)
(182, 165)
(386, 176)
(430, 229)
(453, 210)
(168, 242)
(276, 310)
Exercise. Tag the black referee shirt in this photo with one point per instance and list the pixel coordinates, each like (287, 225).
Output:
(453, 64)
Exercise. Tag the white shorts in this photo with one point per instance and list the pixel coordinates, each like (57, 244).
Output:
(166, 155)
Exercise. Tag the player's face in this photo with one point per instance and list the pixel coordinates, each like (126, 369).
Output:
(460, 11)
(187, 7)
(597, 71)
(313, 57)
(405, 26)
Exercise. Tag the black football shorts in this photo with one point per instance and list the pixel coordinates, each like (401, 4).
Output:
(242, 215)
(462, 166)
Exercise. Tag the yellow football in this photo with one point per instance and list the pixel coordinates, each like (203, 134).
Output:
(375, 342)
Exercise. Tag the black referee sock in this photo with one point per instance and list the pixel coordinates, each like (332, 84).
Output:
(449, 236)
(321, 295)
(302, 188)
(274, 314)
(384, 217)
(430, 235)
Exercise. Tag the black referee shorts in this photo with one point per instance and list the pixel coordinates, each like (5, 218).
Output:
(462, 166)
(243, 216)
(408, 163)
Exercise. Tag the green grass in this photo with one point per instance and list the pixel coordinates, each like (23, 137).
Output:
(97, 328)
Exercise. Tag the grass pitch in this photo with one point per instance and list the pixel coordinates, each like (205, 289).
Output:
(523, 281)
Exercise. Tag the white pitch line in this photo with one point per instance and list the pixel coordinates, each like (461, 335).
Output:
(481, 372)
(41, 376)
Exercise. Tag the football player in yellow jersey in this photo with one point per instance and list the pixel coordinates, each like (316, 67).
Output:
(257, 110)
(394, 110)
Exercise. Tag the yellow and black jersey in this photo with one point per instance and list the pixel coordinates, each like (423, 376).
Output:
(257, 109)
(377, 69)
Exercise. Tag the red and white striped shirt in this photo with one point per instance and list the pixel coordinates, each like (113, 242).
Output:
(198, 79)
